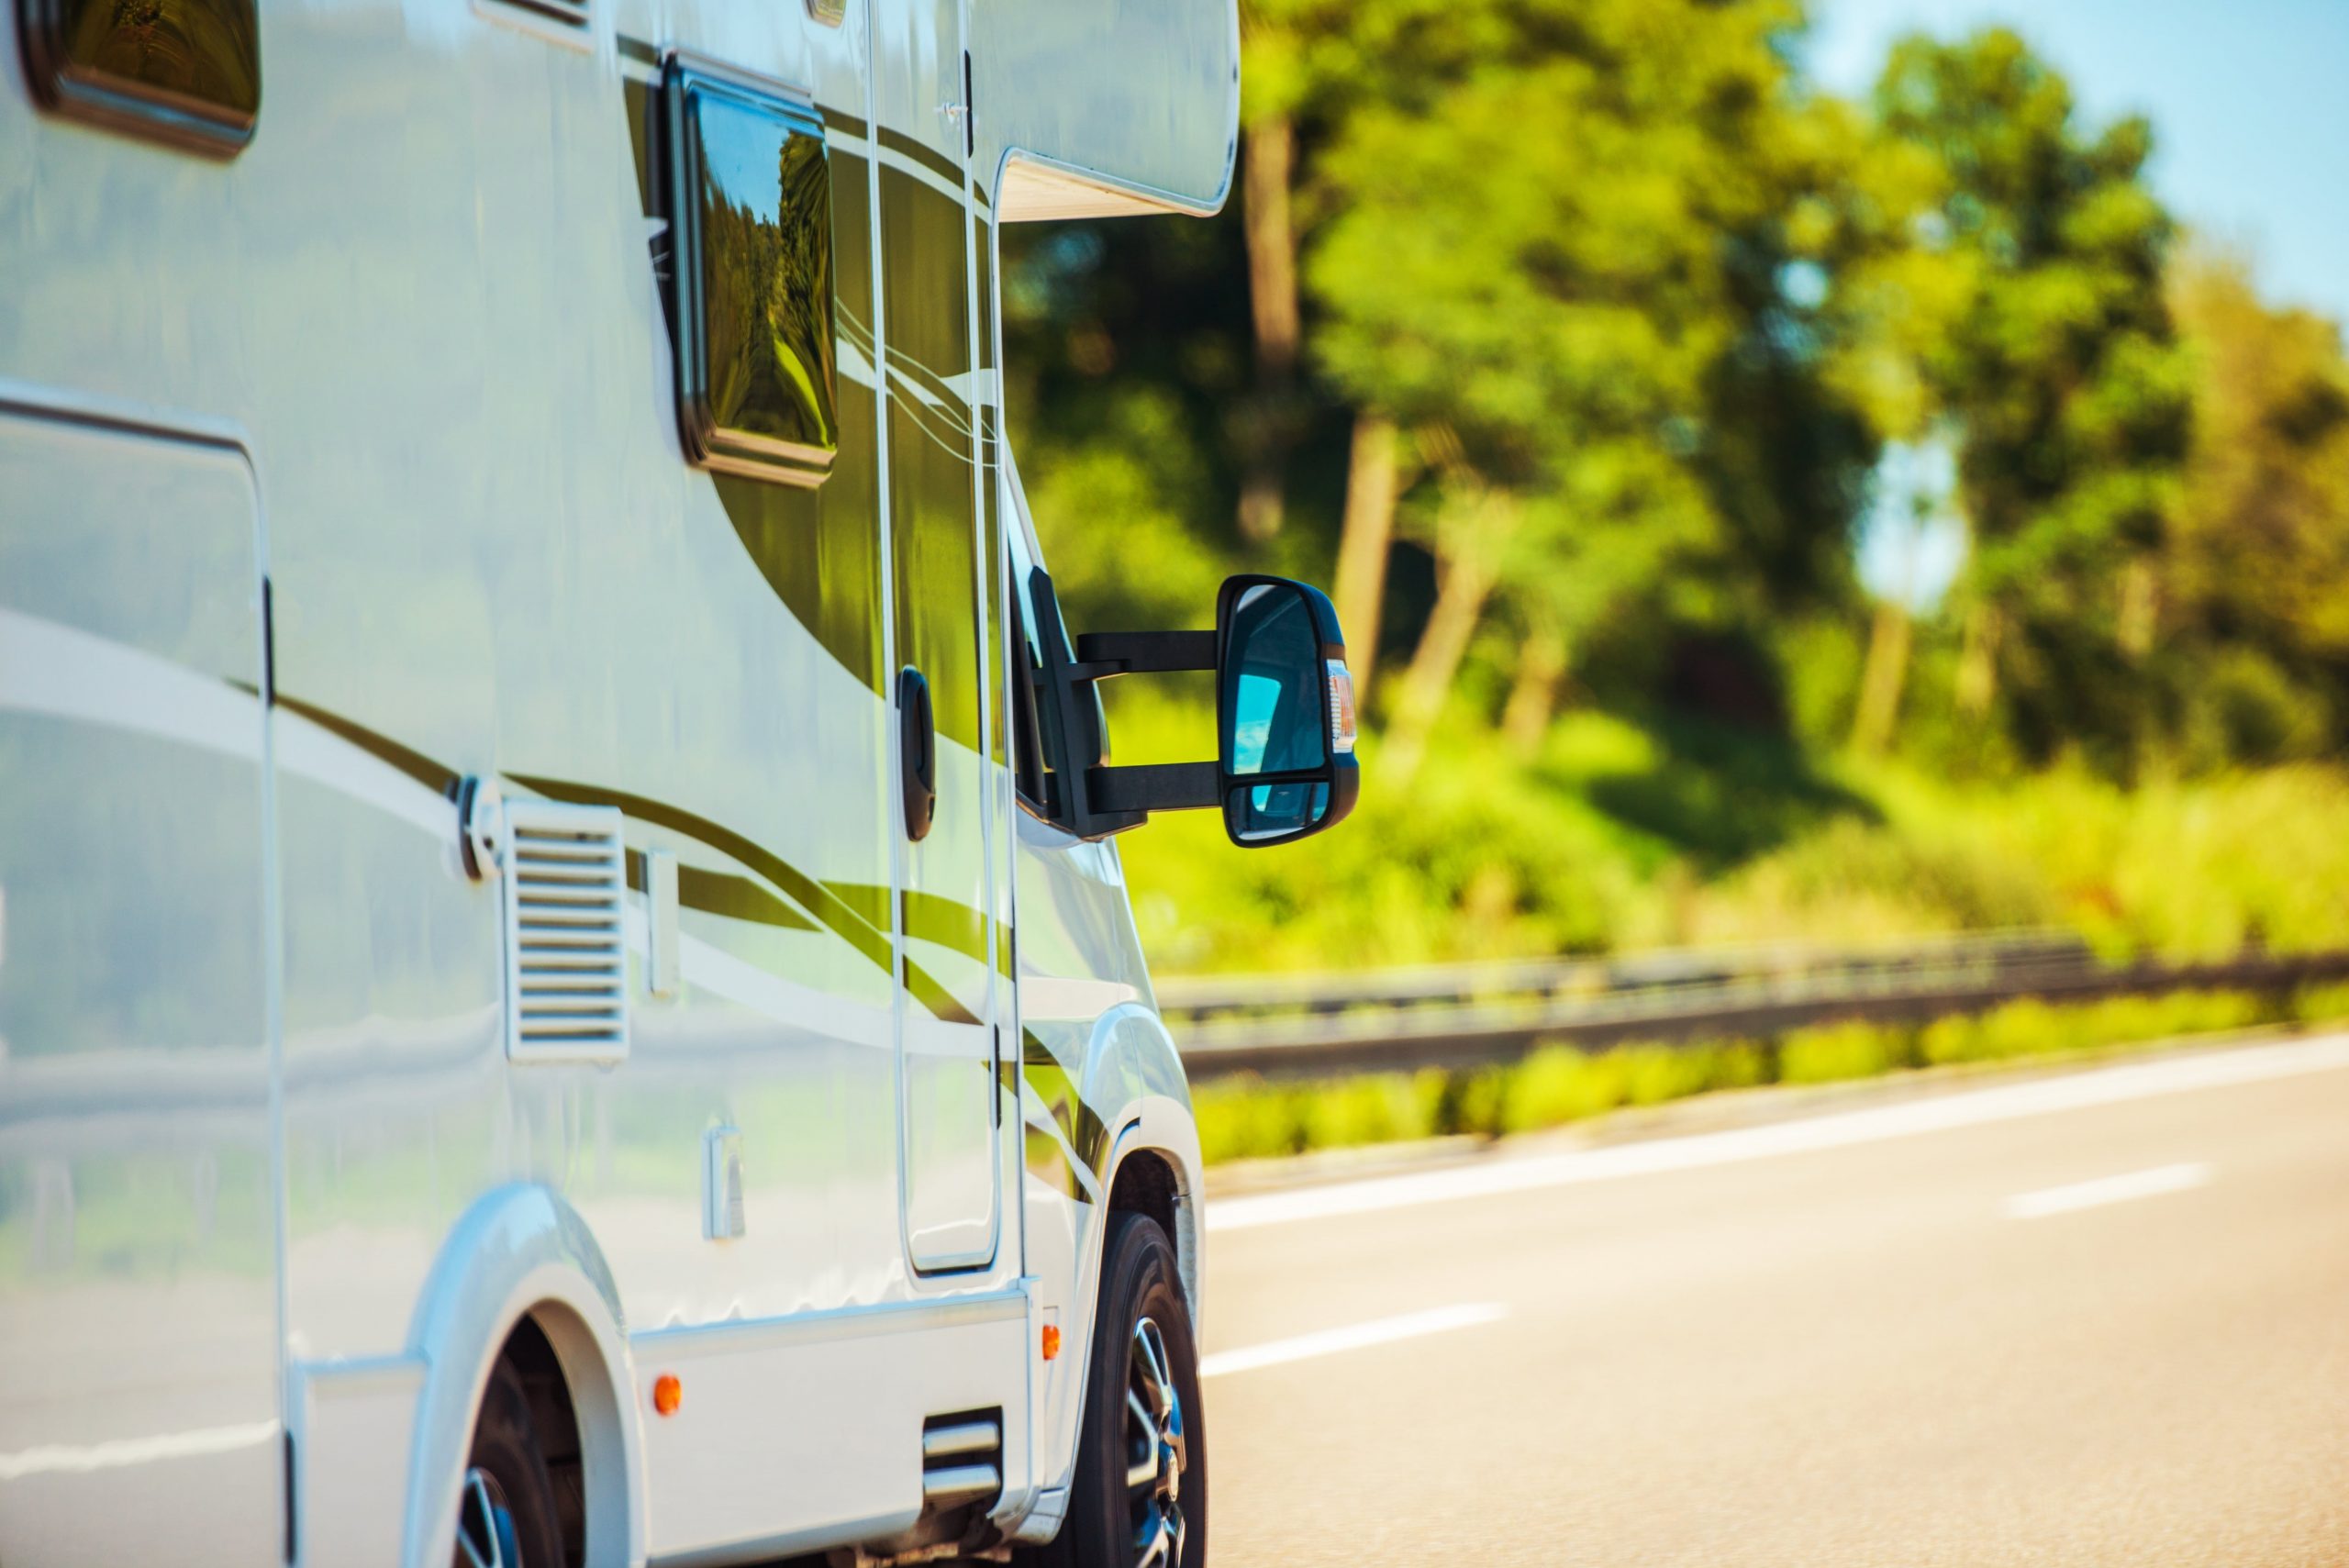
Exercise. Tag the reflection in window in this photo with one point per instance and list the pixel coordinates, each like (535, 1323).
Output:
(185, 72)
(750, 200)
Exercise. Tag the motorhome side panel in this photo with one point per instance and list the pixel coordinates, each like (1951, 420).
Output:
(421, 322)
(138, 1359)
(429, 288)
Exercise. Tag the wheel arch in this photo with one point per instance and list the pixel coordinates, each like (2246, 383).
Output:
(1155, 1172)
(1134, 1081)
(522, 1253)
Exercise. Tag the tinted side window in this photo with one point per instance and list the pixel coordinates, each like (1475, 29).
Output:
(183, 72)
(748, 196)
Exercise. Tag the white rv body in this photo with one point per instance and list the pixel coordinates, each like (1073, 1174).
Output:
(347, 469)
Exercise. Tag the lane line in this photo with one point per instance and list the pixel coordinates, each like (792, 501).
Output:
(2070, 1199)
(1361, 1336)
(1942, 1113)
(61, 1458)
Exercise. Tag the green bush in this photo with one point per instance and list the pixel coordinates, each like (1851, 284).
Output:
(1839, 1051)
(1613, 837)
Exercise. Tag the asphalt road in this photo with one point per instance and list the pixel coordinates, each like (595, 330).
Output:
(2101, 1318)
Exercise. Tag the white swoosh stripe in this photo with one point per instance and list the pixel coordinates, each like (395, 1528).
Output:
(57, 1459)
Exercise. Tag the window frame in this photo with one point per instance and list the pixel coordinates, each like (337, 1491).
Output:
(147, 112)
(707, 443)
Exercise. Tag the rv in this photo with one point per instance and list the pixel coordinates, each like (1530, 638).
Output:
(566, 991)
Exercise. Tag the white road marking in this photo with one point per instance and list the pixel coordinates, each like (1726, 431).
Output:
(1361, 1336)
(2108, 1189)
(58, 1458)
(1942, 1113)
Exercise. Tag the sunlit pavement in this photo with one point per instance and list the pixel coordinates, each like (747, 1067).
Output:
(2111, 1332)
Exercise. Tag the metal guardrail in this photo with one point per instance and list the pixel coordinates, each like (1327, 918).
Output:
(1474, 1014)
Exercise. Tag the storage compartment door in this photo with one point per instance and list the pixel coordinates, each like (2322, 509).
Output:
(139, 1399)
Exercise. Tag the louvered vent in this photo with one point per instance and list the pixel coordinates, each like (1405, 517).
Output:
(961, 1457)
(569, 13)
(566, 962)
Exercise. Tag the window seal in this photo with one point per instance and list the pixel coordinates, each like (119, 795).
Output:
(708, 441)
(182, 120)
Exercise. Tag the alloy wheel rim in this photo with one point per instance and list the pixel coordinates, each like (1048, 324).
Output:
(1157, 1453)
(485, 1525)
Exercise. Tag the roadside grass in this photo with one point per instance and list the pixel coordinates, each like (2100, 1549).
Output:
(1246, 1117)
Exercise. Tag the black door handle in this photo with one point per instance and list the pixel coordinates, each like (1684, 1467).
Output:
(916, 751)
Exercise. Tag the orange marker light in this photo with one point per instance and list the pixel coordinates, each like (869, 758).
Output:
(668, 1393)
(1052, 1340)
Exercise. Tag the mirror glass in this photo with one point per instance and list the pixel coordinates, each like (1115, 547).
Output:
(1255, 812)
(1272, 710)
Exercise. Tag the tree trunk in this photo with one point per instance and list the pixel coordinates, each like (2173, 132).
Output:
(1371, 483)
(1533, 694)
(1270, 148)
(1268, 151)
(1886, 674)
(1977, 661)
(2141, 607)
(1461, 592)
(1263, 506)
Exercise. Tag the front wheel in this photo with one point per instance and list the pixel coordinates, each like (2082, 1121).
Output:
(1140, 1496)
(506, 1516)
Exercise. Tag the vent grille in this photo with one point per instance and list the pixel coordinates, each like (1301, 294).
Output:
(961, 1457)
(571, 12)
(566, 955)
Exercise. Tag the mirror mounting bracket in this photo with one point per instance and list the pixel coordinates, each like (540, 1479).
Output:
(1152, 786)
(1101, 654)
(1092, 799)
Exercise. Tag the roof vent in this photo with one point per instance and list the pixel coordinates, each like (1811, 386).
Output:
(566, 959)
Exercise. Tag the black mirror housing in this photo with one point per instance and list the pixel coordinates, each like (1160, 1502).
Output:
(1285, 767)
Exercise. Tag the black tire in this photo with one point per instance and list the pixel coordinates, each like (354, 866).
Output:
(516, 1487)
(1106, 1526)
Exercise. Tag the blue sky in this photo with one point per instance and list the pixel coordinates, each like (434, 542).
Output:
(2249, 102)
(2250, 107)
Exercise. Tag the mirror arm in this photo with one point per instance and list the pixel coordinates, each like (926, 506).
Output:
(1104, 653)
(1152, 786)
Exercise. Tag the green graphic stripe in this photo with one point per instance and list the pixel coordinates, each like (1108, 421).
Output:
(414, 764)
(810, 895)
(720, 892)
(835, 912)
(937, 162)
(930, 917)
(737, 898)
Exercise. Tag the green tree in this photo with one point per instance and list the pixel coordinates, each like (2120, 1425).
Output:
(2060, 376)
(2254, 588)
(1565, 270)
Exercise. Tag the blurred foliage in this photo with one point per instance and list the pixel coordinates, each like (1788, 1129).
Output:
(1641, 307)
(1245, 1118)
(1621, 835)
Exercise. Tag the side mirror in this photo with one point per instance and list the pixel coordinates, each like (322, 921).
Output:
(1284, 717)
(1284, 712)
